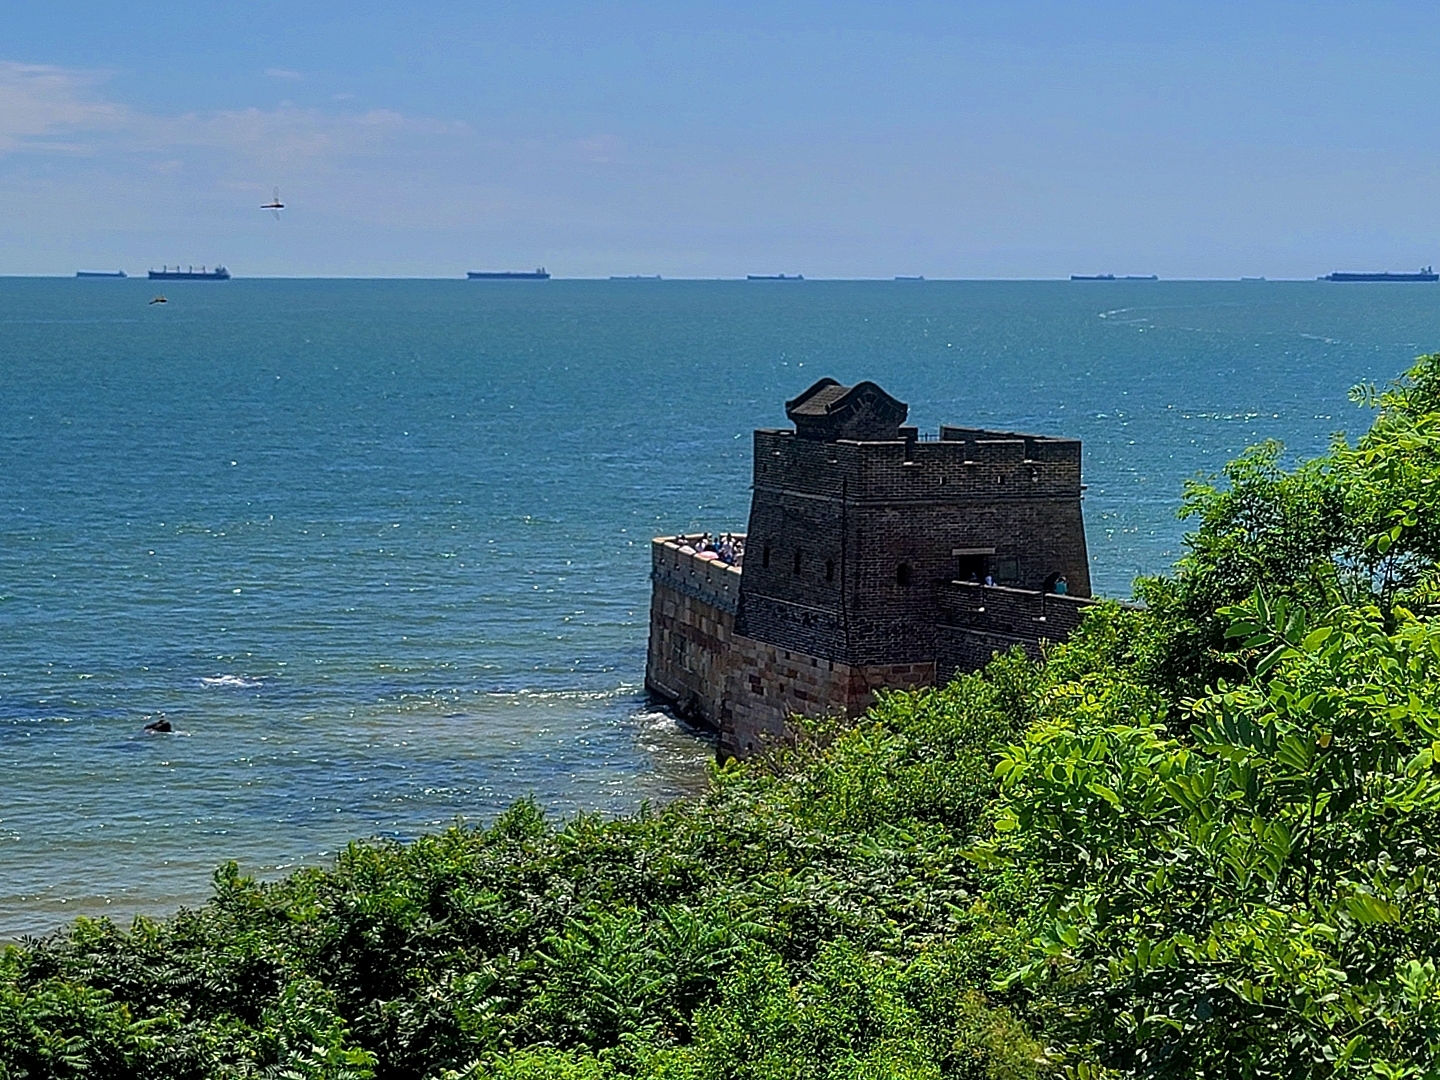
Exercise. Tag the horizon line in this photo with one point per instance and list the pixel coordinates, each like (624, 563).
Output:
(907, 279)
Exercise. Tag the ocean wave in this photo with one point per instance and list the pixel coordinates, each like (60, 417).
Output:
(663, 722)
(622, 691)
(236, 682)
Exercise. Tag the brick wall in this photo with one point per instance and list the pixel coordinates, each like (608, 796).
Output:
(854, 513)
(977, 621)
(692, 622)
(770, 685)
(745, 689)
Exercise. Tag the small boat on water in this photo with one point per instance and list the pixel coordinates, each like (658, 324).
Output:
(538, 274)
(1425, 274)
(100, 273)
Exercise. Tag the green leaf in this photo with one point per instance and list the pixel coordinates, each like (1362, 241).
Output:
(1272, 658)
(1367, 909)
(1106, 793)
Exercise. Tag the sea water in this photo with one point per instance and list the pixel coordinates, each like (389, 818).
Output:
(378, 550)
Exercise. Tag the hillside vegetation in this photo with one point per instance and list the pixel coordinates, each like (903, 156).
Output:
(1195, 842)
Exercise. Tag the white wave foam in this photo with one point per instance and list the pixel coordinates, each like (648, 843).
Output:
(621, 691)
(238, 682)
(663, 724)
(658, 720)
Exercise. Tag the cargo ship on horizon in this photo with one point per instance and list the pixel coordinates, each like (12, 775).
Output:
(190, 274)
(774, 277)
(101, 273)
(1425, 274)
(538, 274)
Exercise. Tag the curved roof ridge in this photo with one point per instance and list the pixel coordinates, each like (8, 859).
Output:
(827, 410)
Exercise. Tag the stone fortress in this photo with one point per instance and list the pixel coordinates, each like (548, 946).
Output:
(874, 558)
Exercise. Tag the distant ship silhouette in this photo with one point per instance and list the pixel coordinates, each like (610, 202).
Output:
(538, 274)
(1426, 274)
(190, 274)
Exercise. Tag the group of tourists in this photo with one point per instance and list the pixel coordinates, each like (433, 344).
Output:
(726, 548)
(1059, 586)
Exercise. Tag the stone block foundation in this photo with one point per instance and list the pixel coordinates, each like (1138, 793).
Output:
(744, 689)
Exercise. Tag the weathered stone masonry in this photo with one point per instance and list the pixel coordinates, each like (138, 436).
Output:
(743, 688)
(865, 560)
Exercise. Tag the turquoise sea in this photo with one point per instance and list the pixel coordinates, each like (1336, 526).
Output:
(378, 549)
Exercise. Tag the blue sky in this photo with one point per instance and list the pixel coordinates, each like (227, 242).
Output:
(1022, 139)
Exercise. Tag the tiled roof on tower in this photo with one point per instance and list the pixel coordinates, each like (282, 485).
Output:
(828, 412)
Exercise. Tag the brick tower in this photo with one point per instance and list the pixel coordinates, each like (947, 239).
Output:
(874, 558)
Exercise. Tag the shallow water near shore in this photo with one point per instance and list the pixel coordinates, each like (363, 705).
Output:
(379, 549)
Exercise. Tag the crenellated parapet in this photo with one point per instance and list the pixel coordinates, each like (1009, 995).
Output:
(676, 564)
(977, 621)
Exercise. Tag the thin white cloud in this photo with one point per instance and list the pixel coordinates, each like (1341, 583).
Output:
(46, 109)
(39, 103)
(284, 73)
(132, 169)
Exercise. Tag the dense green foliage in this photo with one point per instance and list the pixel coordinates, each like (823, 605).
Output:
(1193, 842)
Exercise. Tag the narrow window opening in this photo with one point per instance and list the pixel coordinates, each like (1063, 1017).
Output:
(902, 574)
(974, 568)
(765, 556)
(829, 570)
(799, 556)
